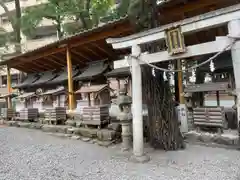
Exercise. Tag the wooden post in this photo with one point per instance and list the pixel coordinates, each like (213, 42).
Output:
(70, 81)
(9, 88)
(182, 110)
(180, 82)
(118, 85)
(89, 99)
(218, 98)
(58, 99)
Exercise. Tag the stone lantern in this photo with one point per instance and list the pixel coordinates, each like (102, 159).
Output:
(125, 116)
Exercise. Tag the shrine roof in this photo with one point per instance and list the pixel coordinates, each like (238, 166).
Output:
(26, 95)
(56, 91)
(63, 75)
(94, 69)
(31, 78)
(92, 88)
(85, 47)
(119, 72)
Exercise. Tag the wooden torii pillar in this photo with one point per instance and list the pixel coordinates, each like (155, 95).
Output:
(70, 80)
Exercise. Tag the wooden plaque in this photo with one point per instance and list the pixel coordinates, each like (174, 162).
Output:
(175, 41)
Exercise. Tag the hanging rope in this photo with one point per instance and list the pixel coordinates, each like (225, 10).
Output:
(190, 68)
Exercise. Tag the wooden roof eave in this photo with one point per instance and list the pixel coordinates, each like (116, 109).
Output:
(59, 47)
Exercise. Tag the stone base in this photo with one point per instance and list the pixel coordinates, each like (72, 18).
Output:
(227, 138)
(103, 137)
(86, 132)
(105, 143)
(75, 137)
(36, 126)
(124, 149)
(59, 135)
(71, 123)
(24, 125)
(139, 159)
(11, 123)
(115, 126)
(78, 124)
(55, 128)
(70, 130)
(106, 135)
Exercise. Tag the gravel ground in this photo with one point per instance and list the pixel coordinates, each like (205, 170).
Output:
(33, 155)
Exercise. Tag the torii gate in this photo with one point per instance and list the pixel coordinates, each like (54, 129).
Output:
(229, 15)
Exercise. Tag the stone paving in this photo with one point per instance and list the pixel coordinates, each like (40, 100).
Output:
(27, 154)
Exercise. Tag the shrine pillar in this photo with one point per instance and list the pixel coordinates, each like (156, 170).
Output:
(9, 88)
(182, 110)
(234, 31)
(70, 80)
(137, 122)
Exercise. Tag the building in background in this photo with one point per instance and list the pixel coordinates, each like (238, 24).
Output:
(45, 34)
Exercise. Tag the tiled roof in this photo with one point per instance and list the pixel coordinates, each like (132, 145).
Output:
(91, 89)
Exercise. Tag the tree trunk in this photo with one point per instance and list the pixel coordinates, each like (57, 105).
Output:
(59, 28)
(16, 25)
(83, 21)
(17, 28)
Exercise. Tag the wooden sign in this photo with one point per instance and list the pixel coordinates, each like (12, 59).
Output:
(175, 41)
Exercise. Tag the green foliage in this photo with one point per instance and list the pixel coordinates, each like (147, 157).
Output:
(72, 28)
(3, 37)
(31, 18)
(117, 12)
(86, 14)
(140, 13)
(122, 9)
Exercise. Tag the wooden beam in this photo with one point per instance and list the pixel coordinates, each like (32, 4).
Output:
(54, 61)
(192, 51)
(103, 35)
(190, 25)
(81, 55)
(32, 66)
(25, 68)
(39, 56)
(75, 59)
(190, 6)
(180, 81)
(9, 87)
(70, 80)
(92, 51)
(59, 59)
(42, 65)
(53, 64)
(106, 50)
(81, 40)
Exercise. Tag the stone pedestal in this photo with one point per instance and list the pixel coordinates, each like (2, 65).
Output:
(125, 117)
(143, 158)
(126, 136)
